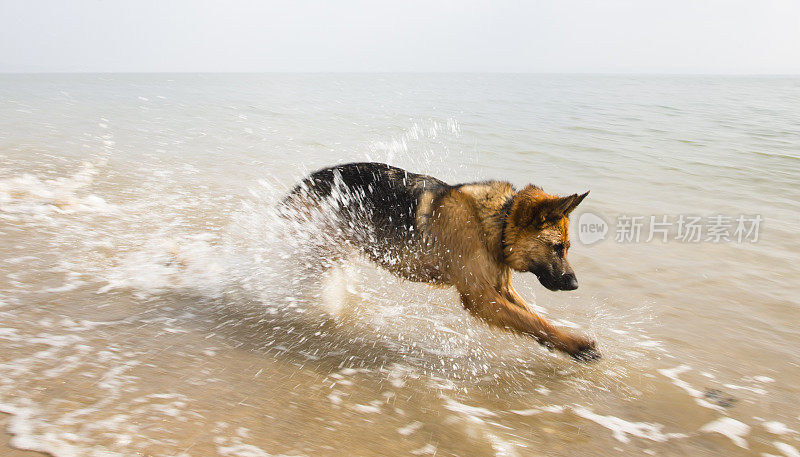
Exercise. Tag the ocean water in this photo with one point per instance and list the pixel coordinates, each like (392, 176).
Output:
(152, 304)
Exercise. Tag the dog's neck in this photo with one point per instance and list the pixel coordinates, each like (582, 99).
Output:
(494, 200)
(505, 213)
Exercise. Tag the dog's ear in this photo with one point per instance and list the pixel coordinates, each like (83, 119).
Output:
(532, 208)
(558, 207)
(525, 209)
(575, 202)
(523, 212)
(554, 209)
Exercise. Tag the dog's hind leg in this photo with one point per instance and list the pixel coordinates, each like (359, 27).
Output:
(322, 278)
(490, 305)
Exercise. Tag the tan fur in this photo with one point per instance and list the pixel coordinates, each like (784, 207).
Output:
(424, 209)
(466, 225)
(489, 200)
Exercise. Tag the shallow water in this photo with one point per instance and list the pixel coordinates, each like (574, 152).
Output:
(151, 303)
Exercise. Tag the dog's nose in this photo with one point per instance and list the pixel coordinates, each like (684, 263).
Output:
(570, 282)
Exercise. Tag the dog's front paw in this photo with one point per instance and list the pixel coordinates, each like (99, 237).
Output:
(583, 349)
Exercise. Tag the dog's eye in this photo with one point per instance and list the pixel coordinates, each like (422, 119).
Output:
(559, 249)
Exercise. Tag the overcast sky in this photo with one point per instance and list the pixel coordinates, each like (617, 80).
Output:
(586, 36)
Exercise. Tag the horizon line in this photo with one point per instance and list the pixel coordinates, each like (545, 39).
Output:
(576, 73)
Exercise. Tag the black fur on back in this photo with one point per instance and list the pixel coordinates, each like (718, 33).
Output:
(375, 200)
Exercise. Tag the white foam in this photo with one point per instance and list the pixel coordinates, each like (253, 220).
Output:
(731, 428)
(428, 449)
(649, 344)
(23, 425)
(556, 409)
(787, 449)
(777, 428)
(502, 448)
(673, 374)
(621, 428)
(335, 398)
(9, 333)
(169, 264)
(368, 409)
(756, 390)
(526, 412)
(28, 194)
(473, 412)
(410, 428)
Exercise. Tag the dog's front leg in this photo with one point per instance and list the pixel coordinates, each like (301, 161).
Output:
(507, 290)
(490, 305)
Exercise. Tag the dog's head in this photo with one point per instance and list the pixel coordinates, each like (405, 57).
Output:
(536, 236)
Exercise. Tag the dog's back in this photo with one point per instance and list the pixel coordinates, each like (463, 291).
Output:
(379, 209)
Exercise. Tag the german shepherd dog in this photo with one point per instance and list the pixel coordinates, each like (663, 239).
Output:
(469, 236)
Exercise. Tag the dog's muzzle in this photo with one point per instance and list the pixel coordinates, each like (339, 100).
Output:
(552, 282)
(570, 282)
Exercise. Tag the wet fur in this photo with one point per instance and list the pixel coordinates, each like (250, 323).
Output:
(469, 236)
